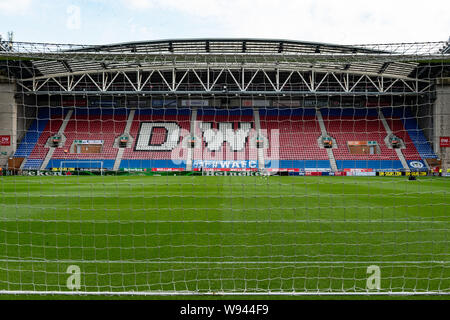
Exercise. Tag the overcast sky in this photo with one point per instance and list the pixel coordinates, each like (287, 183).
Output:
(338, 21)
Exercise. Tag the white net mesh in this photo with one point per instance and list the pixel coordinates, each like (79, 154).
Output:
(122, 174)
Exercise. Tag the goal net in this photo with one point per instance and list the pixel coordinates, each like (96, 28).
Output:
(288, 173)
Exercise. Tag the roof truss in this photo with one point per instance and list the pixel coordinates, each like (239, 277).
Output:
(210, 80)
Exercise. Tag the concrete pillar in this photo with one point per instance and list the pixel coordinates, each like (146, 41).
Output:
(8, 121)
(441, 118)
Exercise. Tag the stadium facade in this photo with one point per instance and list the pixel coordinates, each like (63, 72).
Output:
(225, 104)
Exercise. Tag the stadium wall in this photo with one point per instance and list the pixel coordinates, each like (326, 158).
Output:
(442, 121)
(8, 121)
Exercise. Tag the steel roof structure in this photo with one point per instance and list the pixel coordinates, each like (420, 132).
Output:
(237, 66)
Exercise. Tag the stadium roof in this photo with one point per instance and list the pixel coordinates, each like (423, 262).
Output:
(61, 58)
(38, 61)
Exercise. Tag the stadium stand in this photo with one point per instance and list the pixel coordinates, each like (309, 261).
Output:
(40, 151)
(406, 127)
(234, 117)
(298, 135)
(93, 124)
(133, 158)
(31, 138)
(359, 125)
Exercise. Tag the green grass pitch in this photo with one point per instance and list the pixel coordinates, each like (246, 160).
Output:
(197, 234)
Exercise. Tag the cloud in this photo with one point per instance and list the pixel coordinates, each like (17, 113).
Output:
(137, 30)
(73, 21)
(138, 4)
(350, 21)
(8, 7)
(330, 21)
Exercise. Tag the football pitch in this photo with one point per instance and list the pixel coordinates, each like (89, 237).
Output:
(233, 235)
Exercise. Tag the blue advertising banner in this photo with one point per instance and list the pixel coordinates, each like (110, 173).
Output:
(225, 164)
